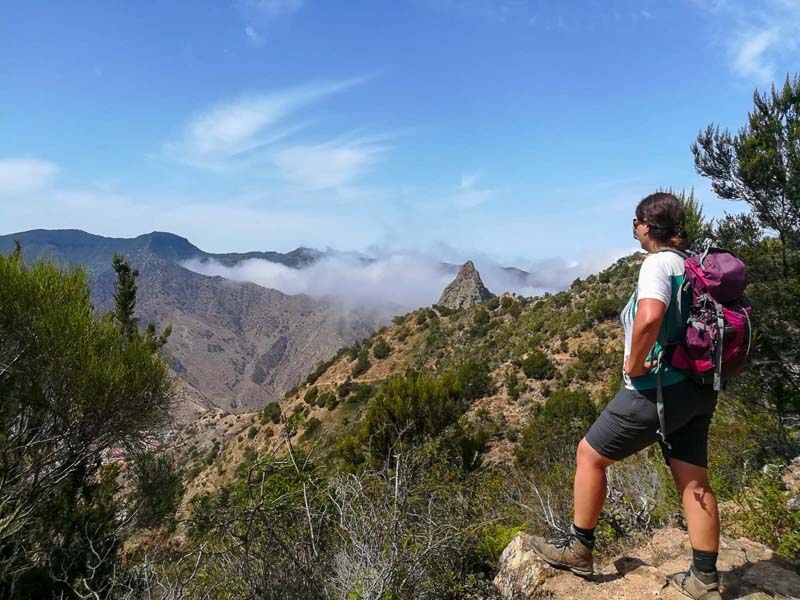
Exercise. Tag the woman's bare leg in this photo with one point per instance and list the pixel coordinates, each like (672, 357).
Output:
(590, 485)
(699, 504)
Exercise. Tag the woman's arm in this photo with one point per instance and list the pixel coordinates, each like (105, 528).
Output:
(646, 324)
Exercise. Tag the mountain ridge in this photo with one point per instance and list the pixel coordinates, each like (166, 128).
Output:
(95, 251)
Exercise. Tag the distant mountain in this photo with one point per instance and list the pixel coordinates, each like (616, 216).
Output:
(95, 252)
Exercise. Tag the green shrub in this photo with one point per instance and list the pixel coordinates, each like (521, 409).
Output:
(252, 432)
(473, 379)
(409, 408)
(159, 486)
(72, 386)
(318, 371)
(514, 384)
(328, 400)
(361, 392)
(349, 451)
(765, 515)
(604, 309)
(493, 540)
(296, 421)
(312, 425)
(353, 351)
(561, 299)
(552, 435)
(362, 364)
(538, 366)
(344, 390)
(271, 412)
(381, 348)
(310, 396)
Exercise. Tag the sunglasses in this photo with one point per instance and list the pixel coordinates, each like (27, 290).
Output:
(637, 222)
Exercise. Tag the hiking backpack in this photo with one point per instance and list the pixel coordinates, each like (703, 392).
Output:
(718, 333)
(715, 344)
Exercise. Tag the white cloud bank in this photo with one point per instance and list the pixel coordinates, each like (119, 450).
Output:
(406, 280)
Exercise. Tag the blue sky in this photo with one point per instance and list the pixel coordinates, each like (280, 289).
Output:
(511, 129)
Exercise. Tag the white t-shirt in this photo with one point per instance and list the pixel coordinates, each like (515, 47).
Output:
(660, 278)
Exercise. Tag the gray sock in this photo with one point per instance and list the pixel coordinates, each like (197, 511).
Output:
(705, 577)
(704, 561)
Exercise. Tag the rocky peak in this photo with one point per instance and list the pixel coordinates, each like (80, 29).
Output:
(466, 289)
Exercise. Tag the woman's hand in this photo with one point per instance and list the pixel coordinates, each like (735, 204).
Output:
(638, 370)
(649, 314)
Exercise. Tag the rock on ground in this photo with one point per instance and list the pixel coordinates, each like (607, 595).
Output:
(748, 570)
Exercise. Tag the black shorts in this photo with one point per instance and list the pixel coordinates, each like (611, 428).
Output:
(630, 423)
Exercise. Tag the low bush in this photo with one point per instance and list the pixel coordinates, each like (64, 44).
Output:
(536, 365)
(271, 413)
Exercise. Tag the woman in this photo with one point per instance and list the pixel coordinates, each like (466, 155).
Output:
(655, 312)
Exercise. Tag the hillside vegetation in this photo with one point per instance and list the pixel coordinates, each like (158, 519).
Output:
(488, 367)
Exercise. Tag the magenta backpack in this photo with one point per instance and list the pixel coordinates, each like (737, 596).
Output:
(716, 344)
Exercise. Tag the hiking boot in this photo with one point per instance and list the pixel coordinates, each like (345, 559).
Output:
(566, 552)
(691, 585)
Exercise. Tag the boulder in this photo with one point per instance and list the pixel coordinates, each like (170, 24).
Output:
(747, 569)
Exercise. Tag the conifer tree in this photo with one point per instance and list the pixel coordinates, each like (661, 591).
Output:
(760, 164)
(125, 296)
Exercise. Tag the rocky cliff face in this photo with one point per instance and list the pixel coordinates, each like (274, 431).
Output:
(747, 569)
(466, 289)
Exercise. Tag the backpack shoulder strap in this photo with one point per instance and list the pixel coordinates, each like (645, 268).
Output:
(681, 253)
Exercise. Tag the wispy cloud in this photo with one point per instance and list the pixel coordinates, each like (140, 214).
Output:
(219, 137)
(254, 36)
(751, 52)
(470, 194)
(25, 174)
(329, 165)
(759, 36)
(259, 14)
